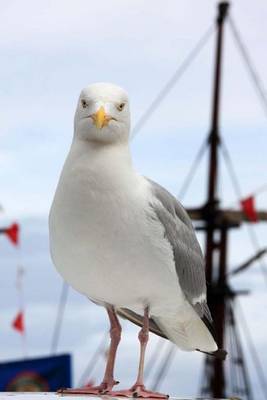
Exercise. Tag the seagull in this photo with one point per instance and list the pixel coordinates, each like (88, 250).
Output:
(124, 241)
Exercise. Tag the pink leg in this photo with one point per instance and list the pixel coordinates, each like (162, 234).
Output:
(138, 389)
(108, 381)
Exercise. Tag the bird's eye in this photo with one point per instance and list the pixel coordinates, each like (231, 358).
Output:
(120, 106)
(84, 103)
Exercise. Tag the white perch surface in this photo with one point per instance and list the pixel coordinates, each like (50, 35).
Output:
(55, 396)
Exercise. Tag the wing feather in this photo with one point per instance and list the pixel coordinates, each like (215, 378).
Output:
(188, 258)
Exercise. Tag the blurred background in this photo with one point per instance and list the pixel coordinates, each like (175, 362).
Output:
(50, 51)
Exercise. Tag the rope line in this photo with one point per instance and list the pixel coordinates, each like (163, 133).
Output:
(231, 170)
(253, 351)
(251, 68)
(155, 355)
(59, 317)
(172, 81)
(233, 375)
(251, 232)
(243, 376)
(262, 95)
(191, 173)
(164, 367)
(86, 375)
(259, 190)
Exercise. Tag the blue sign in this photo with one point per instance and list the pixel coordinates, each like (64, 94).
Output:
(36, 375)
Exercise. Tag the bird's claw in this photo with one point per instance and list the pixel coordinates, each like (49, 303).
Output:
(104, 388)
(139, 391)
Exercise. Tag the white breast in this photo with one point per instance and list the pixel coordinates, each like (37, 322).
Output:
(104, 239)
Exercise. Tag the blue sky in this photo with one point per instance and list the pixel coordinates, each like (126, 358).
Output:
(50, 51)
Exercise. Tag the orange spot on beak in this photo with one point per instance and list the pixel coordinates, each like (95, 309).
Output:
(100, 118)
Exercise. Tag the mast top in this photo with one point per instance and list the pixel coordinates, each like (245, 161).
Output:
(222, 11)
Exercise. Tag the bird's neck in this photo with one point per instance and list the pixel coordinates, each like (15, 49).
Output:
(104, 163)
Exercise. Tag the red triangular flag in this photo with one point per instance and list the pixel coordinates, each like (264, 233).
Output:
(248, 206)
(18, 322)
(13, 233)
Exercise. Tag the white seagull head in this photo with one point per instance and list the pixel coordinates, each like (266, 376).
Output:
(102, 114)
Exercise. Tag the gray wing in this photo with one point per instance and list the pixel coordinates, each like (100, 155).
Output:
(188, 258)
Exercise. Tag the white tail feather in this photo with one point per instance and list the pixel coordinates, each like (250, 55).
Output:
(188, 335)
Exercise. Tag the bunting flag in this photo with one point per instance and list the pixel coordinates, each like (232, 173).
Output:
(46, 374)
(13, 233)
(18, 322)
(248, 207)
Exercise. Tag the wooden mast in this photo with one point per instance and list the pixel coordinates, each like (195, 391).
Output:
(216, 223)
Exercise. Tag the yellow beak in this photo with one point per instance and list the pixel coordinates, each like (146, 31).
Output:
(100, 118)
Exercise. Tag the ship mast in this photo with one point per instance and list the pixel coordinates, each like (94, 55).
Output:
(214, 142)
(213, 244)
(216, 223)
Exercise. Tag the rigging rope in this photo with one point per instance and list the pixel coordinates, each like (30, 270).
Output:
(59, 318)
(251, 68)
(155, 355)
(256, 192)
(189, 177)
(86, 375)
(233, 376)
(251, 232)
(165, 365)
(172, 81)
(243, 376)
(231, 170)
(254, 355)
